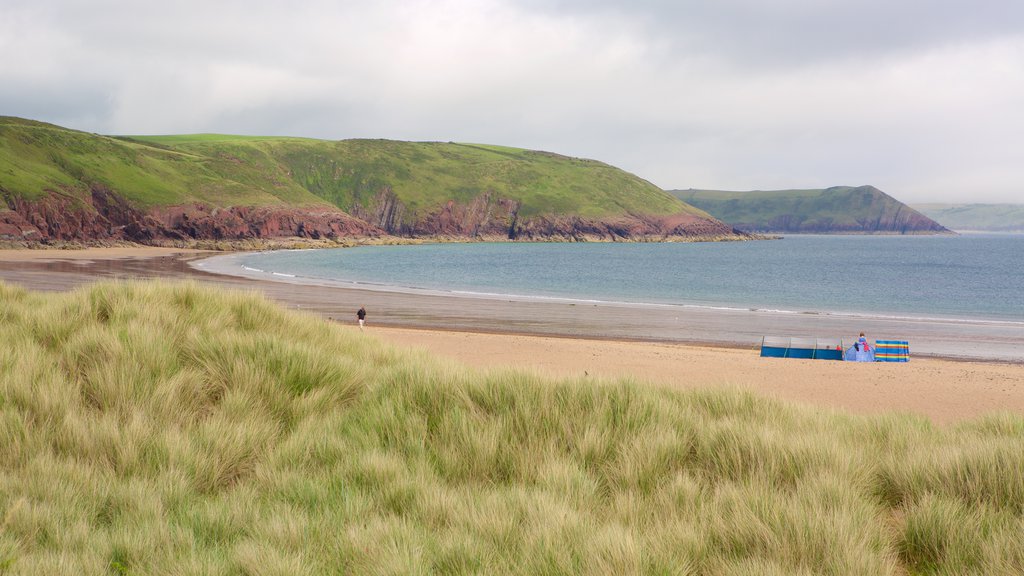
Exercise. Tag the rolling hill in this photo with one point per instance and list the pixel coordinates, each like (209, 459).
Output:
(65, 184)
(976, 217)
(836, 210)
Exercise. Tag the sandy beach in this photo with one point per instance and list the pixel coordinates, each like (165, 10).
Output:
(705, 350)
(943, 390)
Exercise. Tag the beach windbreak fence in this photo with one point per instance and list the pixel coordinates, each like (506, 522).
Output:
(811, 348)
(892, 351)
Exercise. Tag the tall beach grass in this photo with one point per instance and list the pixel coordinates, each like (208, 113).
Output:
(150, 428)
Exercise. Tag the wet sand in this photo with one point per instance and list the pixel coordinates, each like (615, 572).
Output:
(691, 348)
(947, 338)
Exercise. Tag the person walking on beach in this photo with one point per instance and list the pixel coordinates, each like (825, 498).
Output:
(361, 315)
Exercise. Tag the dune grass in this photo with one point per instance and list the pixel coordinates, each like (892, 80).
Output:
(151, 428)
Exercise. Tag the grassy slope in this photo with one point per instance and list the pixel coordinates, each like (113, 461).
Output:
(241, 170)
(425, 175)
(36, 157)
(839, 206)
(994, 217)
(172, 429)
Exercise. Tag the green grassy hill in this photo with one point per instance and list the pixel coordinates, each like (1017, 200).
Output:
(425, 175)
(173, 429)
(840, 209)
(37, 158)
(401, 187)
(976, 217)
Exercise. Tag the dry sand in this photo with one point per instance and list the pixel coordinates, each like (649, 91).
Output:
(942, 390)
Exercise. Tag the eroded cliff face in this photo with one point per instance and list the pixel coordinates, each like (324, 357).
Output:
(490, 217)
(107, 216)
(242, 222)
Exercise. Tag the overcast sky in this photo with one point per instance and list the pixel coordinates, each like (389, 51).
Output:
(922, 98)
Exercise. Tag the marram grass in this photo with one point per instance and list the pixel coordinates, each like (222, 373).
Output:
(174, 429)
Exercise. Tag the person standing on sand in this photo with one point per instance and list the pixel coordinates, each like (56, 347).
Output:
(361, 315)
(863, 343)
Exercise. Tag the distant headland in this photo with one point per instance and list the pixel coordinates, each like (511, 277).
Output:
(835, 210)
(977, 217)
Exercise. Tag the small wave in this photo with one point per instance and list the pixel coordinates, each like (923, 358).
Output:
(926, 318)
(283, 274)
(251, 269)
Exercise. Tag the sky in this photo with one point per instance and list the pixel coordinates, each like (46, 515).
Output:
(921, 98)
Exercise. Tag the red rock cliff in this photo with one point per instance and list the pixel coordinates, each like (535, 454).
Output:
(490, 217)
(107, 216)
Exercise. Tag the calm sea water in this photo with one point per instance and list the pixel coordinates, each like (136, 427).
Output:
(970, 276)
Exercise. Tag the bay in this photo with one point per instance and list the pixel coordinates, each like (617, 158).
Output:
(976, 277)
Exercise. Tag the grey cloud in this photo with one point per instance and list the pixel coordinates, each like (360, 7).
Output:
(793, 32)
(920, 98)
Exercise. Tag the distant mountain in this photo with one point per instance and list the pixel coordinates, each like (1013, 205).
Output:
(836, 210)
(57, 183)
(976, 217)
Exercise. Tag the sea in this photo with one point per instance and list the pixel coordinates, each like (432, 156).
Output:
(967, 277)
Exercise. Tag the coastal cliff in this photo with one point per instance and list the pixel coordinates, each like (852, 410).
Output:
(107, 216)
(490, 217)
(58, 184)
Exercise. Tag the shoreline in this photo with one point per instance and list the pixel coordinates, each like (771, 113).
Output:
(582, 342)
(224, 266)
(964, 339)
(716, 327)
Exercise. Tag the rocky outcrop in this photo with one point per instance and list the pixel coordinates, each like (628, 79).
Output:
(634, 227)
(107, 216)
(13, 226)
(385, 211)
(57, 216)
(242, 222)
